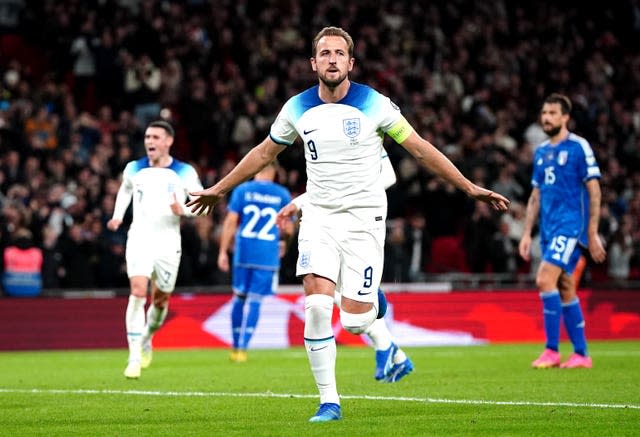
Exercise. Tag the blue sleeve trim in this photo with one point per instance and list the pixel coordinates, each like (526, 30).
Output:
(278, 141)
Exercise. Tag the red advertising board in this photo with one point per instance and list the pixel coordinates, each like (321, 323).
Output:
(415, 319)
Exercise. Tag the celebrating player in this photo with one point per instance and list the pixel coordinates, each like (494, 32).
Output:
(158, 184)
(566, 196)
(341, 242)
(392, 364)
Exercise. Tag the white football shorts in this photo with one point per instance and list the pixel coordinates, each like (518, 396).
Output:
(160, 262)
(353, 259)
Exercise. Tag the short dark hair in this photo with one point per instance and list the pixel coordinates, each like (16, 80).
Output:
(332, 31)
(164, 125)
(562, 100)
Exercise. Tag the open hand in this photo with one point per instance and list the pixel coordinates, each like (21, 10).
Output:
(285, 216)
(495, 200)
(203, 201)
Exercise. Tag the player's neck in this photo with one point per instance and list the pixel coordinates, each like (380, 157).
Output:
(161, 161)
(333, 94)
(560, 137)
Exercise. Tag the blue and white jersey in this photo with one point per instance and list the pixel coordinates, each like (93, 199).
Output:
(152, 190)
(560, 171)
(257, 240)
(343, 145)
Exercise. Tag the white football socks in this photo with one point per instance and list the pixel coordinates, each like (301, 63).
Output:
(321, 345)
(155, 319)
(134, 321)
(381, 339)
(379, 335)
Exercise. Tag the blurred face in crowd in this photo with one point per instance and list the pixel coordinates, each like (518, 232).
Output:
(157, 143)
(552, 119)
(332, 61)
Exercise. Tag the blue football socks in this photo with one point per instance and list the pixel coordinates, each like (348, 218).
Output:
(237, 311)
(250, 323)
(574, 324)
(552, 311)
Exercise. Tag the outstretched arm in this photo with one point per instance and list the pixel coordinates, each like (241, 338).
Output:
(434, 160)
(252, 163)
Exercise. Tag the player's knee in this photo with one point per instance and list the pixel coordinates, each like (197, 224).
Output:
(239, 297)
(543, 282)
(357, 323)
(254, 298)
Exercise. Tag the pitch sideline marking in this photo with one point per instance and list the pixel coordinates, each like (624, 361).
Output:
(303, 396)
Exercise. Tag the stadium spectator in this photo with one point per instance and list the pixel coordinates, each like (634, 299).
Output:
(142, 81)
(158, 185)
(620, 251)
(345, 236)
(566, 199)
(243, 61)
(478, 236)
(22, 266)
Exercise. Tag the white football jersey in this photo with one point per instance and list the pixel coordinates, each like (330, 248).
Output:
(387, 177)
(343, 146)
(152, 190)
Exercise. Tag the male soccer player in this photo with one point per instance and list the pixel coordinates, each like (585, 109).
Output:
(341, 244)
(566, 197)
(158, 184)
(392, 364)
(251, 219)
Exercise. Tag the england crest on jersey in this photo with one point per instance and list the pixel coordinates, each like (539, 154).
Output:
(562, 157)
(351, 127)
(305, 259)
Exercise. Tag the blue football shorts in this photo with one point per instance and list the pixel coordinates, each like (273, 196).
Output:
(254, 281)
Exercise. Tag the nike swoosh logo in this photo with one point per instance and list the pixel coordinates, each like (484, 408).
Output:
(307, 132)
(312, 349)
(360, 293)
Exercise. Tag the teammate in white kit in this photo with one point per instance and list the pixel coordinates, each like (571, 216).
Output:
(159, 185)
(392, 364)
(342, 125)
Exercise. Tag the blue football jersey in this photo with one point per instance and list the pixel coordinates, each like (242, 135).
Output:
(560, 171)
(256, 242)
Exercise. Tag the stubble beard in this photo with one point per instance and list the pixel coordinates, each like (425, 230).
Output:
(552, 131)
(332, 84)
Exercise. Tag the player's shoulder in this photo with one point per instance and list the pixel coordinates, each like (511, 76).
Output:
(136, 165)
(362, 96)
(302, 102)
(580, 143)
(541, 149)
(181, 167)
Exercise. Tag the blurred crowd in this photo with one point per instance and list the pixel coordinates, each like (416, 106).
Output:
(80, 79)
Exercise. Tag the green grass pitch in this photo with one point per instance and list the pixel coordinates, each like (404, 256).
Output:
(454, 391)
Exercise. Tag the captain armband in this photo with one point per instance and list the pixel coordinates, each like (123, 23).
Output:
(400, 131)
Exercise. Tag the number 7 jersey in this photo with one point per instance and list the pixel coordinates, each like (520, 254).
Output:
(257, 239)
